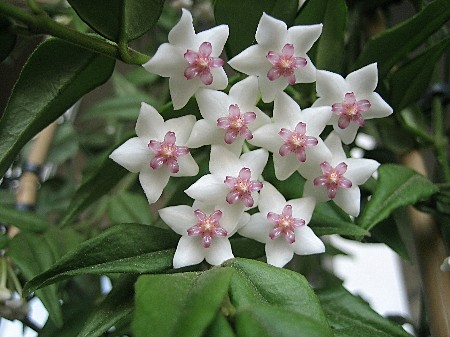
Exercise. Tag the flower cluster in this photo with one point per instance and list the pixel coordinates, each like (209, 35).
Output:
(234, 185)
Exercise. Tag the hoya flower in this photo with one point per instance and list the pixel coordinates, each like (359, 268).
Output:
(338, 179)
(190, 60)
(279, 57)
(204, 231)
(230, 119)
(158, 151)
(293, 137)
(352, 99)
(233, 180)
(282, 226)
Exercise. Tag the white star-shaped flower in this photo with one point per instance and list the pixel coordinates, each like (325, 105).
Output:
(352, 99)
(228, 119)
(293, 137)
(279, 57)
(339, 178)
(204, 231)
(233, 180)
(158, 151)
(190, 60)
(282, 226)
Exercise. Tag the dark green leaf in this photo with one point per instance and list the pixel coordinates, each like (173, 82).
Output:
(243, 17)
(125, 248)
(410, 81)
(393, 45)
(24, 220)
(397, 186)
(129, 207)
(54, 78)
(7, 38)
(121, 19)
(350, 316)
(387, 232)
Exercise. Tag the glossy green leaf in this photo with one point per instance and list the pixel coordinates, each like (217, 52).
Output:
(117, 305)
(242, 17)
(328, 51)
(125, 248)
(121, 19)
(350, 316)
(397, 186)
(7, 38)
(27, 221)
(267, 321)
(33, 254)
(128, 207)
(393, 45)
(54, 78)
(259, 283)
(409, 82)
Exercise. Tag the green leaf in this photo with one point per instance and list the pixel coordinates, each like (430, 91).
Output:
(350, 316)
(125, 248)
(242, 17)
(64, 145)
(328, 52)
(123, 108)
(129, 207)
(24, 220)
(220, 327)
(387, 232)
(118, 305)
(121, 19)
(7, 38)
(410, 81)
(54, 78)
(33, 254)
(397, 186)
(267, 321)
(394, 44)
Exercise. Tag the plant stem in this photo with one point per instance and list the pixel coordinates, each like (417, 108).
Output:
(41, 23)
(440, 140)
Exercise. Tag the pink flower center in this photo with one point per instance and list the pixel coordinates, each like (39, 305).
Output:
(166, 152)
(200, 63)
(350, 110)
(236, 124)
(333, 178)
(296, 141)
(241, 188)
(284, 224)
(207, 227)
(284, 64)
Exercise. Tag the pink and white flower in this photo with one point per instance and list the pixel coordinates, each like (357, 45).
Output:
(293, 137)
(279, 58)
(190, 60)
(352, 99)
(230, 119)
(282, 226)
(338, 179)
(158, 151)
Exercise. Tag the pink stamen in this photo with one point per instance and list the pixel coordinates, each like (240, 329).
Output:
(241, 188)
(284, 224)
(296, 142)
(350, 110)
(284, 64)
(236, 124)
(333, 178)
(207, 227)
(200, 63)
(166, 152)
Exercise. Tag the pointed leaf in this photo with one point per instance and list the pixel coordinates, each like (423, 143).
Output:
(54, 78)
(27, 221)
(220, 327)
(397, 186)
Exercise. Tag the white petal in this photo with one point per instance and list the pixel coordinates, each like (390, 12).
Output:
(278, 252)
(182, 126)
(316, 119)
(303, 37)
(213, 104)
(181, 89)
(167, 61)
(258, 228)
(285, 109)
(315, 156)
(255, 160)
(217, 36)
(302, 208)
(317, 192)
(183, 32)
(267, 137)
(246, 91)
(243, 220)
(223, 163)
(271, 200)
(331, 86)
(285, 166)
(261, 119)
(153, 182)
(133, 154)
(150, 124)
(208, 189)
(348, 134)
(364, 80)
(205, 132)
(189, 252)
(251, 61)
(378, 107)
(231, 215)
(219, 251)
(220, 79)
(271, 33)
(269, 89)
(359, 170)
(333, 142)
(188, 166)
(349, 200)
(306, 74)
(306, 242)
(179, 218)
